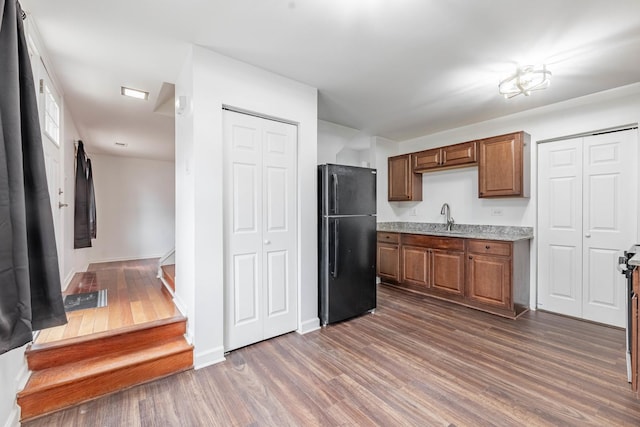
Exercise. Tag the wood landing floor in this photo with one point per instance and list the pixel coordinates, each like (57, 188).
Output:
(134, 293)
(415, 362)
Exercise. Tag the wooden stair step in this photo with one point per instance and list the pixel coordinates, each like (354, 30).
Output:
(59, 387)
(169, 275)
(130, 338)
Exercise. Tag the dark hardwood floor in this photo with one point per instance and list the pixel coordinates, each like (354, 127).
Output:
(417, 362)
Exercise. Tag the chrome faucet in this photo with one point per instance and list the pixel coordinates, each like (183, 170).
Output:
(446, 211)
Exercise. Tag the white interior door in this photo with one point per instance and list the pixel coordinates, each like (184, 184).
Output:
(587, 202)
(560, 227)
(609, 222)
(260, 229)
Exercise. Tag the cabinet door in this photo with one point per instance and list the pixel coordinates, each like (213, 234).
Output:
(489, 279)
(459, 154)
(388, 261)
(427, 159)
(500, 166)
(404, 185)
(448, 271)
(416, 265)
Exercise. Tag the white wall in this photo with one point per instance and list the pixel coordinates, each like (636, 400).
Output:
(210, 80)
(459, 187)
(13, 377)
(135, 201)
(343, 145)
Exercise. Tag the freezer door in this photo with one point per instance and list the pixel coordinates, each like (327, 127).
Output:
(348, 190)
(348, 281)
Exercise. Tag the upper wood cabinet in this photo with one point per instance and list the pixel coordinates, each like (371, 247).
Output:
(445, 157)
(404, 184)
(504, 166)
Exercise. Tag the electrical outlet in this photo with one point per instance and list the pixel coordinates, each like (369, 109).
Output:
(496, 212)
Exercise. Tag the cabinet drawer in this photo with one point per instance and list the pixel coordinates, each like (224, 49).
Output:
(491, 247)
(388, 237)
(428, 159)
(433, 242)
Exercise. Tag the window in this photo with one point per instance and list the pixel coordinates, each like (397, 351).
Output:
(51, 115)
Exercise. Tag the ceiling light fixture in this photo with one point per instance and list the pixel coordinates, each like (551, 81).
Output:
(525, 80)
(134, 93)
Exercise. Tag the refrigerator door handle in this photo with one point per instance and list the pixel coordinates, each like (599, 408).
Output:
(334, 178)
(336, 245)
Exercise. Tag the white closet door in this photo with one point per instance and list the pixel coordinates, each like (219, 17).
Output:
(587, 207)
(560, 227)
(609, 222)
(260, 229)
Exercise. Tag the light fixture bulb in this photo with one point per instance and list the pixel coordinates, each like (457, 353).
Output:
(134, 93)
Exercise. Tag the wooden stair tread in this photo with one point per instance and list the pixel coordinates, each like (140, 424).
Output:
(72, 372)
(33, 348)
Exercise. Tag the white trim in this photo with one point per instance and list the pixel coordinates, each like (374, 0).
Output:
(179, 305)
(309, 326)
(67, 280)
(208, 358)
(167, 287)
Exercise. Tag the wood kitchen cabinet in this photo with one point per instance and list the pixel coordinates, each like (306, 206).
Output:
(504, 166)
(388, 256)
(489, 272)
(416, 266)
(489, 275)
(432, 264)
(448, 271)
(450, 156)
(404, 184)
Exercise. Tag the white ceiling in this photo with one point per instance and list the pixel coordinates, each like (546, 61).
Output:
(394, 68)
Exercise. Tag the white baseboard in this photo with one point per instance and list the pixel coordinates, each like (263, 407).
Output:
(208, 358)
(67, 280)
(124, 258)
(309, 326)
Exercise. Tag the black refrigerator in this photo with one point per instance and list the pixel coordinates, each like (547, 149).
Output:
(347, 242)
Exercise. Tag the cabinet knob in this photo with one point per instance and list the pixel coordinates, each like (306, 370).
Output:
(487, 247)
(266, 242)
(470, 257)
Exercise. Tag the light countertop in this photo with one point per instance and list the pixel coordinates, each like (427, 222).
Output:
(466, 231)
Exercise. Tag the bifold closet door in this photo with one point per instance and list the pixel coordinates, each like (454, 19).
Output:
(260, 229)
(587, 205)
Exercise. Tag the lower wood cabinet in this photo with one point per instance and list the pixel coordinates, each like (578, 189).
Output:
(388, 256)
(489, 275)
(448, 271)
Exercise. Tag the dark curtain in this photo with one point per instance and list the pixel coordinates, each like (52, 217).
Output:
(85, 202)
(30, 292)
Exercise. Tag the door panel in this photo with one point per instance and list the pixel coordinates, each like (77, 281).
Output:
(260, 231)
(448, 271)
(246, 292)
